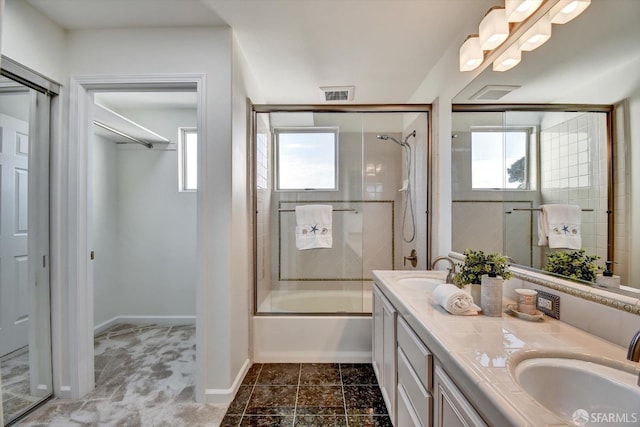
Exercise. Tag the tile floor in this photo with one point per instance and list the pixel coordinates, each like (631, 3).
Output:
(301, 395)
(16, 394)
(145, 376)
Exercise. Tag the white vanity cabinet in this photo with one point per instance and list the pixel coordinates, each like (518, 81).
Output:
(415, 381)
(416, 389)
(384, 349)
(451, 408)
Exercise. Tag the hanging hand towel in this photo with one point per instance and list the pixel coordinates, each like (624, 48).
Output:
(559, 226)
(313, 226)
(454, 300)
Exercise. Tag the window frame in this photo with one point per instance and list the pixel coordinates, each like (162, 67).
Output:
(527, 130)
(182, 158)
(311, 129)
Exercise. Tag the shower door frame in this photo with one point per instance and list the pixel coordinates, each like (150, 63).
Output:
(256, 109)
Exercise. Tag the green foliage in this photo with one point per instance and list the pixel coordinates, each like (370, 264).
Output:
(575, 265)
(477, 263)
(516, 172)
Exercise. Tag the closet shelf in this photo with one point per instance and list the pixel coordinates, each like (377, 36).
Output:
(124, 128)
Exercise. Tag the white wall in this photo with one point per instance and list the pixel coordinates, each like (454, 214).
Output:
(222, 276)
(105, 228)
(31, 39)
(147, 265)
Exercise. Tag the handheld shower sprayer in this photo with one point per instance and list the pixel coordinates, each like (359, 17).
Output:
(404, 143)
(410, 235)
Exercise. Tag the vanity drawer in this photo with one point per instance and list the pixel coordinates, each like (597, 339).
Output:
(416, 352)
(418, 401)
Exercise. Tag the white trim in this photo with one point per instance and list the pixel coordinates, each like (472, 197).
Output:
(319, 339)
(71, 270)
(313, 357)
(225, 396)
(144, 320)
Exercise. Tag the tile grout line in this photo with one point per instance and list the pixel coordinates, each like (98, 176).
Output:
(344, 397)
(295, 406)
(253, 388)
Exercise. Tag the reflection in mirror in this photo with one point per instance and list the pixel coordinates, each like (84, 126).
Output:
(506, 164)
(593, 60)
(25, 343)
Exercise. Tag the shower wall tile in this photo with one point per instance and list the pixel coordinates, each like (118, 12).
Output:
(573, 155)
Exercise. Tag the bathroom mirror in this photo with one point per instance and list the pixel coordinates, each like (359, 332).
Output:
(589, 65)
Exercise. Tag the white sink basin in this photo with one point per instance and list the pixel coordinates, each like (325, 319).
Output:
(420, 282)
(583, 392)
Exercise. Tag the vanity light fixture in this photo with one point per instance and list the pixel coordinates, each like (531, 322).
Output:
(519, 10)
(566, 10)
(471, 55)
(521, 25)
(494, 28)
(537, 35)
(509, 59)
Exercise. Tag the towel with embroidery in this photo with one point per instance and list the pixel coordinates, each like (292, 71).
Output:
(313, 226)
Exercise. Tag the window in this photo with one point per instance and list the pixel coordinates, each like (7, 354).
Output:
(499, 159)
(188, 159)
(306, 159)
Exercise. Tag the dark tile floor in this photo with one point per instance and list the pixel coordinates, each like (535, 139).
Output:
(308, 394)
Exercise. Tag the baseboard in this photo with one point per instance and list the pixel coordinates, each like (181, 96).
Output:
(144, 320)
(313, 357)
(225, 396)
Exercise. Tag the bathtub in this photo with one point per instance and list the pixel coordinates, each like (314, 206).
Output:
(334, 337)
(317, 301)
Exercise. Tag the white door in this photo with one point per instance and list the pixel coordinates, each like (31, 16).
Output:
(14, 271)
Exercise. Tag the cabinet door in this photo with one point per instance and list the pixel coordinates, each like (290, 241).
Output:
(406, 415)
(377, 335)
(389, 315)
(451, 408)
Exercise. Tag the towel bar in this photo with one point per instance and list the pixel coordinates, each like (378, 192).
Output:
(335, 210)
(538, 209)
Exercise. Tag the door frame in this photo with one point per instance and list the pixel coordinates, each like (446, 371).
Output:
(72, 271)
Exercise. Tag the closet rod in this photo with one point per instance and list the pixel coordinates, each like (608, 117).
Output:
(124, 135)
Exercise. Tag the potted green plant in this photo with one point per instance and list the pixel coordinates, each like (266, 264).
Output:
(475, 265)
(575, 265)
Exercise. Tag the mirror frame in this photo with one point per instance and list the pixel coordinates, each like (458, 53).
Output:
(609, 110)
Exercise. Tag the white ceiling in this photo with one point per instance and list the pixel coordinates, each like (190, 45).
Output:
(385, 48)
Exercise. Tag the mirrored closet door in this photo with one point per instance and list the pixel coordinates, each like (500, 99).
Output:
(25, 331)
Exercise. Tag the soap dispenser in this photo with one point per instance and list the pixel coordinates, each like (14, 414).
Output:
(491, 290)
(607, 278)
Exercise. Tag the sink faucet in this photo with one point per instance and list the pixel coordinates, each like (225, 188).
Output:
(634, 350)
(451, 269)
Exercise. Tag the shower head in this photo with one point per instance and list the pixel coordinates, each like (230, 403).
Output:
(403, 143)
(387, 137)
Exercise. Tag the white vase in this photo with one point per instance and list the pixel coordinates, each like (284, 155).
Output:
(491, 296)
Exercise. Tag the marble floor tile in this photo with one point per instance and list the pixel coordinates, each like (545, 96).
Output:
(145, 376)
(319, 373)
(358, 374)
(279, 374)
(364, 400)
(308, 395)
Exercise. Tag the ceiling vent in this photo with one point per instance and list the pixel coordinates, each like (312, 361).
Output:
(337, 93)
(493, 92)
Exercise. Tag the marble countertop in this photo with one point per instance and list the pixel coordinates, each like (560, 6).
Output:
(475, 350)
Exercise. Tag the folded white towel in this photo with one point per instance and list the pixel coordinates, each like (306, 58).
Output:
(559, 226)
(455, 300)
(313, 226)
